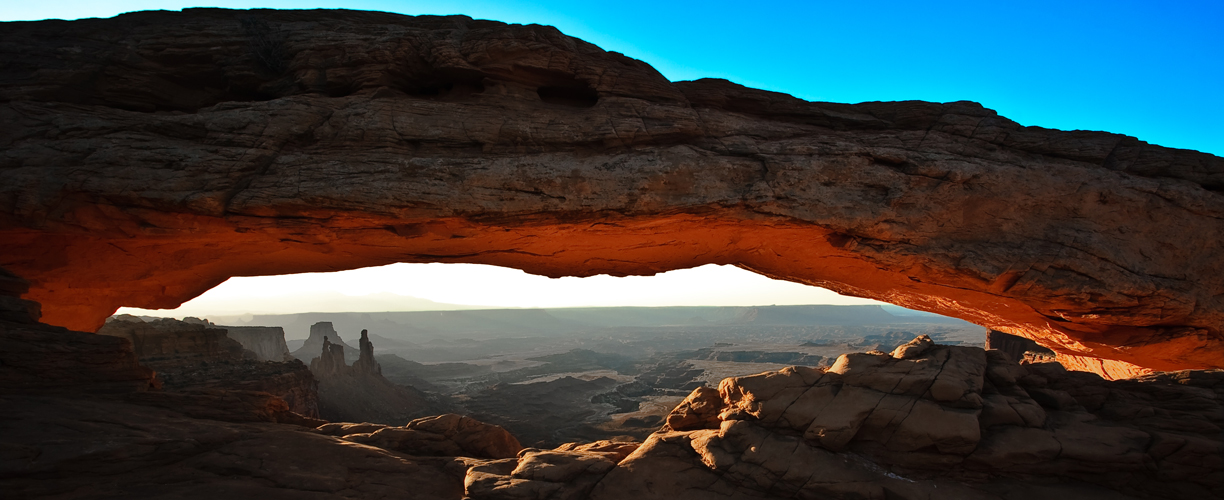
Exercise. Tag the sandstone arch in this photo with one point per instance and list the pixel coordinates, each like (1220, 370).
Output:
(151, 156)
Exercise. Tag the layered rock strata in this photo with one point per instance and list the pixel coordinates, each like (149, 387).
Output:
(266, 342)
(932, 421)
(36, 358)
(448, 435)
(568, 472)
(925, 421)
(191, 356)
(319, 332)
(88, 448)
(151, 156)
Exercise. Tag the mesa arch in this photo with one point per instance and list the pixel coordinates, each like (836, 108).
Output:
(151, 156)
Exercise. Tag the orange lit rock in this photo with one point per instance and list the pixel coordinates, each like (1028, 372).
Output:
(149, 157)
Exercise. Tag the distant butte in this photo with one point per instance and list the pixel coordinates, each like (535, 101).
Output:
(149, 157)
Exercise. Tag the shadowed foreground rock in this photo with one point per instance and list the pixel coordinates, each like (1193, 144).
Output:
(197, 356)
(444, 435)
(924, 422)
(360, 393)
(149, 157)
(933, 421)
(88, 448)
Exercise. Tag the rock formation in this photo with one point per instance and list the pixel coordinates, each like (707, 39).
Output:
(267, 342)
(103, 448)
(365, 359)
(939, 422)
(568, 472)
(446, 435)
(1014, 347)
(360, 392)
(926, 421)
(36, 358)
(319, 332)
(151, 156)
(193, 356)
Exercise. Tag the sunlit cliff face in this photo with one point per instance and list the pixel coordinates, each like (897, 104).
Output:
(364, 139)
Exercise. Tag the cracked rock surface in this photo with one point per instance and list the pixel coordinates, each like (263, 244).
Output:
(931, 421)
(924, 422)
(148, 157)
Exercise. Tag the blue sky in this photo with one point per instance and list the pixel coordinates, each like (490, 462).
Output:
(1154, 70)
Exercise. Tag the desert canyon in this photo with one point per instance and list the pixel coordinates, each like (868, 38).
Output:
(151, 156)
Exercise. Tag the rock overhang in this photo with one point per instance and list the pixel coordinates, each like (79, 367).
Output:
(151, 156)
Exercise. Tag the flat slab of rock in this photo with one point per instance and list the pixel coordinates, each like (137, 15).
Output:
(84, 448)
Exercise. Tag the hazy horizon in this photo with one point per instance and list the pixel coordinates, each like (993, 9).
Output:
(442, 287)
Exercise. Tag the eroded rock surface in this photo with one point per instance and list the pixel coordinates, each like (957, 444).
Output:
(267, 342)
(314, 343)
(443, 435)
(149, 157)
(97, 448)
(930, 421)
(568, 472)
(360, 392)
(926, 421)
(37, 358)
(191, 356)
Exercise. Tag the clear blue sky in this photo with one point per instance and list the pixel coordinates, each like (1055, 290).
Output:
(1154, 70)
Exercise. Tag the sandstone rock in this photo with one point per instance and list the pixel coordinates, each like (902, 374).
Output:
(914, 348)
(360, 392)
(42, 359)
(87, 448)
(226, 405)
(698, 411)
(564, 473)
(314, 343)
(191, 356)
(443, 435)
(612, 450)
(162, 152)
(921, 422)
(267, 342)
(365, 361)
(167, 343)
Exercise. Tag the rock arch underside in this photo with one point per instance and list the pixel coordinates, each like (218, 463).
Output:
(149, 157)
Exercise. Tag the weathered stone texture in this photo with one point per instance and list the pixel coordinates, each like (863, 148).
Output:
(149, 157)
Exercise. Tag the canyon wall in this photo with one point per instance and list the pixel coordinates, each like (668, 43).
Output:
(266, 342)
(195, 356)
(149, 157)
(41, 359)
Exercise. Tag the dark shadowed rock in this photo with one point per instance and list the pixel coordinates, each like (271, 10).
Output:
(194, 356)
(360, 392)
(95, 448)
(151, 156)
(443, 435)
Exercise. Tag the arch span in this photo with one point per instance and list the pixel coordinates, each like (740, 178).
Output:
(131, 178)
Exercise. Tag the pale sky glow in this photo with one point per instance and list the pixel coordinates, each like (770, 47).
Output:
(393, 287)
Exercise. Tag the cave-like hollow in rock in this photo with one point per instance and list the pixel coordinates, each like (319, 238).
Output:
(142, 174)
